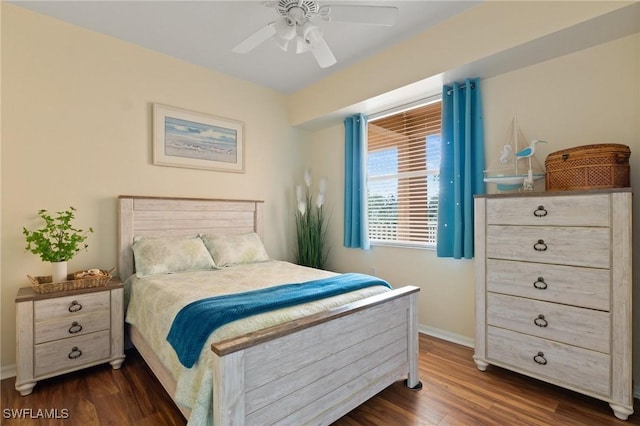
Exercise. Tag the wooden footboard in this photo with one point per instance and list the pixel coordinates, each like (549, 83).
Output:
(313, 370)
(317, 369)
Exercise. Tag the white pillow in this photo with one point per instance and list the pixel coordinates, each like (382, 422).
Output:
(155, 256)
(229, 250)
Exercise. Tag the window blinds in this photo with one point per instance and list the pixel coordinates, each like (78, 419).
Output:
(403, 160)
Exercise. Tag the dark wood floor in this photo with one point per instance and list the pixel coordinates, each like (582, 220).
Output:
(454, 393)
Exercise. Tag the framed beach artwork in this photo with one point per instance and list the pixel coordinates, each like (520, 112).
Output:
(195, 140)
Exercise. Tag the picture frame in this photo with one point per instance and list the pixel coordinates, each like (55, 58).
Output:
(195, 140)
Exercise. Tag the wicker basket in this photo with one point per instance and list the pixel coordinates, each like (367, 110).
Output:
(43, 285)
(588, 167)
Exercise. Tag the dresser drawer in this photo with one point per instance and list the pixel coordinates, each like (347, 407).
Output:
(67, 306)
(576, 326)
(72, 353)
(72, 326)
(558, 363)
(577, 246)
(575, 210)
(571, 285)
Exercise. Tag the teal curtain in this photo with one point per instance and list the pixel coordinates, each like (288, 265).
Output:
(461, 168)
(355, 196)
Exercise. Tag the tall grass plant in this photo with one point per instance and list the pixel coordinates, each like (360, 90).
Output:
(311, 224)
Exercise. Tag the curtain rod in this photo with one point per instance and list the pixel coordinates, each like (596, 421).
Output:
(462, 86)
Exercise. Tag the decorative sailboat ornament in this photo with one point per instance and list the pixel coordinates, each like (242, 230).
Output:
(516, 166)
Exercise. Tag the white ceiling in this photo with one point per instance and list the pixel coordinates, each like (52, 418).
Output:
(204, 32)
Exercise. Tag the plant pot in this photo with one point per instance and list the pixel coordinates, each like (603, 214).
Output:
(59, 271)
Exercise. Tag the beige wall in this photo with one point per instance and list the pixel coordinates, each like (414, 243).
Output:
(76, 114)
(489, 28)
(590, 96)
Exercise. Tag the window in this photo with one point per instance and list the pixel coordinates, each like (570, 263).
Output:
(403, 161)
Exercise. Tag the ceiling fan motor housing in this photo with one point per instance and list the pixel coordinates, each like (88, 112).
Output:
(309, 7)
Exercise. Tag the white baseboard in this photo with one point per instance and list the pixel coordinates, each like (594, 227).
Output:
(446, 335)
(8, 371)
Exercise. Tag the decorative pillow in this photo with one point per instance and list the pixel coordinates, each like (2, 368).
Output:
(155, 256)
(229, 250)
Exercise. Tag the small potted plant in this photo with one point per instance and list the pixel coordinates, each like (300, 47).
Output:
(57, 241)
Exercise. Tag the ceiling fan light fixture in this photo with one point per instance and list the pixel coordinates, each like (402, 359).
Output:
(301, 45)
(282, 43)
(310, 33)
(285, 28)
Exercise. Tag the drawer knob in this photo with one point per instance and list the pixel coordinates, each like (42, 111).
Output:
(540, 359)
(75, 353)
(540, 212)
(540, 246)
(75, 328)
(75, 306)
(540, 321)
(540, 284)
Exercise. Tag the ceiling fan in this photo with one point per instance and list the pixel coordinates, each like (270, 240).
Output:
(295, 23)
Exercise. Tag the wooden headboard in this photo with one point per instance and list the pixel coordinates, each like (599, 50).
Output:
(163, 217)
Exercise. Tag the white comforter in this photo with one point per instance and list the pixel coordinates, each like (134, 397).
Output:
(153, 303)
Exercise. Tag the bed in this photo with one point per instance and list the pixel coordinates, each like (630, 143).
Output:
(305, 368)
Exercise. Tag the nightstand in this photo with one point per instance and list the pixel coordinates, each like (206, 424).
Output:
(67, 331)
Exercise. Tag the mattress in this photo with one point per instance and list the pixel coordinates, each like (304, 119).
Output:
(153, 302)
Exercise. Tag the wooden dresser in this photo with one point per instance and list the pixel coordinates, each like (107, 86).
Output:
(553, 292)
(67, 331)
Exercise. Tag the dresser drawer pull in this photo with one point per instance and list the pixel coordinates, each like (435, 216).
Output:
(75, 306)
(540, 359)
(540, 321)
(540, 246)
(540, 284)
(75, 328)
(540, 212)
(75, 353)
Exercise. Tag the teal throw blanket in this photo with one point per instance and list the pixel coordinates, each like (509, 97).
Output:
(196, 321)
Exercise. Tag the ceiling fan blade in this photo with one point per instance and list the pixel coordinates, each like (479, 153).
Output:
(374, 15)
(255, 39)
(320, 50)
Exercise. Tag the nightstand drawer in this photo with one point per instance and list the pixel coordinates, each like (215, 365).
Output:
(556, 362)
(69, 306)
(75, 325)
(567, 324)
(577, 246)
(69, 354)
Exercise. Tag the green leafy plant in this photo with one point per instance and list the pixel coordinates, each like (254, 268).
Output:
(311, 225)
(58, 240)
